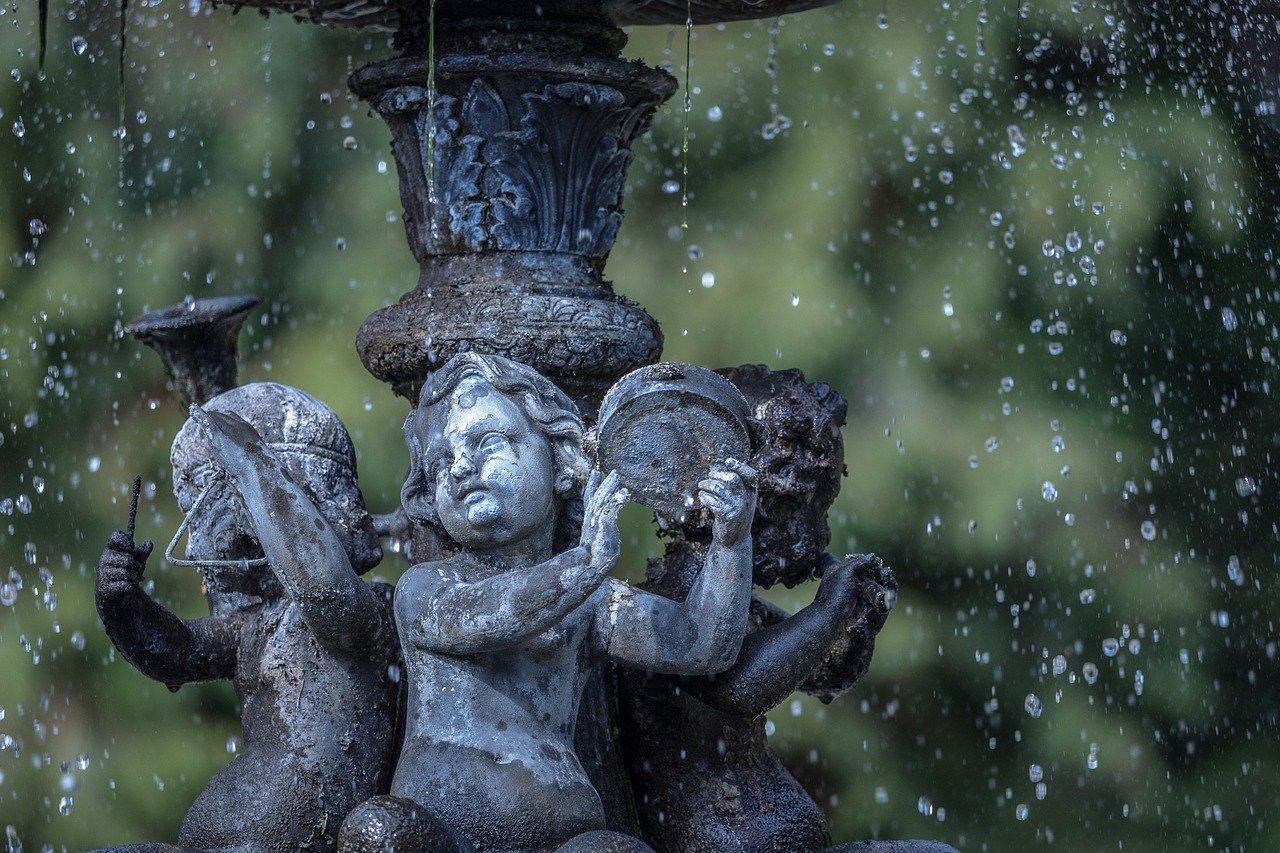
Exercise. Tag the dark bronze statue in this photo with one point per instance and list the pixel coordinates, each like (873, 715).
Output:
(266, 476)
(703, 774)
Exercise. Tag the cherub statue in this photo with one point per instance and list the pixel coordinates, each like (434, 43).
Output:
(267, 478)
(500, 638)
(703, 774)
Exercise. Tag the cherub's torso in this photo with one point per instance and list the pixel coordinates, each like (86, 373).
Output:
(489, 735)
(308, 714)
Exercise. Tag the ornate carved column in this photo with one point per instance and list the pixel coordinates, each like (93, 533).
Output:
(512, 172)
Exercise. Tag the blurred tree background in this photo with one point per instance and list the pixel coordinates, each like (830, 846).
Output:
(1032, 243)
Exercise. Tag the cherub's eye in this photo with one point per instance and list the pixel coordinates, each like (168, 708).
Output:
(436, 467)
(494, 442)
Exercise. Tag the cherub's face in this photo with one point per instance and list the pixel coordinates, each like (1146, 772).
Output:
(490, 470)
(220, 528)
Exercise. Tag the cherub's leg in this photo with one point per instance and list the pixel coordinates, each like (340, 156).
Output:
(604, 841)
(389, 824)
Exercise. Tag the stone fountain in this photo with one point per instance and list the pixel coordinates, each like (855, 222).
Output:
(512, 128)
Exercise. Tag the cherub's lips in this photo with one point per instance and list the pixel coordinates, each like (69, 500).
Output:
(465, 490)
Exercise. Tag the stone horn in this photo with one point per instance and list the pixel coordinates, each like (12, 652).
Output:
(196, 339)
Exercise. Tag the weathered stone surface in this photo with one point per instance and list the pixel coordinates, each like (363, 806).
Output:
(309, 646)
(502, 635)
(197, 342)
(511, 174)
(703, 774)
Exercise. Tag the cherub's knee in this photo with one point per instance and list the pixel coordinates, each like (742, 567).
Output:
(389, 824)
(603, 841)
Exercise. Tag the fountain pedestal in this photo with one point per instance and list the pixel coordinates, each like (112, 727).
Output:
(512, 150)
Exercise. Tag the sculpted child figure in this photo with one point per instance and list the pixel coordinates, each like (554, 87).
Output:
(701, 769)
(499, 639)
(267, 477)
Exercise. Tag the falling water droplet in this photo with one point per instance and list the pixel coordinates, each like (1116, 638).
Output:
(79, 44)
(1090, 672)
(1110, 646)
(1059, 667)
(1148, 530)
(1017, 141)
(1088, 596)
(1049, 491)
(1022, 811)
(1033, 705)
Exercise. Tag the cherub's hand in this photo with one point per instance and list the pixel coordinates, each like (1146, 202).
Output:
(234, 444)
(879, 589)
(122, 562)
(856, 586)
(729, 491)
(601, 503)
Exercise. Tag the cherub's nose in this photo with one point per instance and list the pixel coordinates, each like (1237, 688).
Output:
(461, 467)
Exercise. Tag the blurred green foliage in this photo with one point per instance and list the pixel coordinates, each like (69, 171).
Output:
(1033, 244)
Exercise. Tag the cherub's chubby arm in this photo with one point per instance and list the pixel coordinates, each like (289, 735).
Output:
(777, 659)
(303, 550)
(448, 614)
(702, 634)
(156, 642)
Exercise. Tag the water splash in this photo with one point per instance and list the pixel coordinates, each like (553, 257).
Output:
(688, 111)
(777, 123)
(431, 110)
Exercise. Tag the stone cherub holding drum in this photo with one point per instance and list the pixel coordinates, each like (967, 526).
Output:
(499, 631)
(499, 638)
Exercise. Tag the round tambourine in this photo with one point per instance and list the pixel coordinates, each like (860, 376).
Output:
(662, 427)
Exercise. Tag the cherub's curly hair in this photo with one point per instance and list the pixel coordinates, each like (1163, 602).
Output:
(548, 409)
(800, 464)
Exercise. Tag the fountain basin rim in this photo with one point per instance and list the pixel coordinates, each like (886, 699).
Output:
(397, 15)
(372, 80)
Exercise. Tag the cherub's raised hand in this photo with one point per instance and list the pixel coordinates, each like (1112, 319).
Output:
(233, 442)
(729, 491)
(601, 503)
(122, 563)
